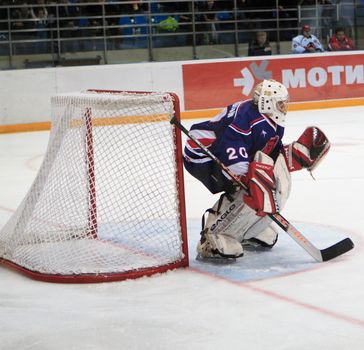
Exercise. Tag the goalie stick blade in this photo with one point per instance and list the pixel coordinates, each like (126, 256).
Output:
(337, 249)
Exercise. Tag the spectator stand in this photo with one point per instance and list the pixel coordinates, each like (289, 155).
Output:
(48, 30)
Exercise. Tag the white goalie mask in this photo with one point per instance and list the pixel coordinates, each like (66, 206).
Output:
(271, 97)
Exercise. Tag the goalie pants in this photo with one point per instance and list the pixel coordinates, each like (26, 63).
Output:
(210, 175)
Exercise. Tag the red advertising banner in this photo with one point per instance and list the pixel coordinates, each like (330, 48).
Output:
(309, 78)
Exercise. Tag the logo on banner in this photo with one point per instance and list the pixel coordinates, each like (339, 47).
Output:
(319, 76)
(249, 75)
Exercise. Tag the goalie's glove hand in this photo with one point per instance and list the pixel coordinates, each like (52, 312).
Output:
(261, 184)
(307, 152)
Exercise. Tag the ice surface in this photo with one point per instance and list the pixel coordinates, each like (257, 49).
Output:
(280, 299)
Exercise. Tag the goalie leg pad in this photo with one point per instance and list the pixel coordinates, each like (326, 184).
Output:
(232, 217)
(215, 246)
(266, 239)
(220, 216)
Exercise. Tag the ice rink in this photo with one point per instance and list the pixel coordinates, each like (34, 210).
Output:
(281, 299)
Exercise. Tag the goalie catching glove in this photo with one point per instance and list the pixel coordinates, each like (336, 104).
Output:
(307, 152)
(261, 185)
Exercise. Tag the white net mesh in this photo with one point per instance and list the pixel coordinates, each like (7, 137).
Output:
(106, 199)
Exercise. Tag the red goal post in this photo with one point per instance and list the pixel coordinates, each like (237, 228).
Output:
(108, 202)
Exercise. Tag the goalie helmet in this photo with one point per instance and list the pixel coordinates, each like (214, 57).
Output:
(271, 97)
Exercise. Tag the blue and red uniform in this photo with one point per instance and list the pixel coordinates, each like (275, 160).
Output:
(233, 136)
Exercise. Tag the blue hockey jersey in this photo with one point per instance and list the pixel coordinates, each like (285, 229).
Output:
(234, 136)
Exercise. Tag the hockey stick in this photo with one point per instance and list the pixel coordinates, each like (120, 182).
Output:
(320, 255)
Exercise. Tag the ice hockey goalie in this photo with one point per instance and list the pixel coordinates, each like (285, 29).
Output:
(247, 138)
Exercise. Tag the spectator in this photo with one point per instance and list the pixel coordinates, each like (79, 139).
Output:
(94, 13)
(306, 42)
(340, 42)
(21, 18)
(22, 23)
(260, 45)
(185, 21)
(133, 7)
(40, 16)
(244, 16)
(172, 17)
(34, 11)
(327, 16)
(287, 11)
(92, 21)
(208, 10)
(68, 22)
(112, 13)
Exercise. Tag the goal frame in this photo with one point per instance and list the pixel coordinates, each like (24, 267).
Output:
(131, 274)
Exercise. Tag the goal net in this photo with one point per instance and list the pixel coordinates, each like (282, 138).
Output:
(108, 201)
